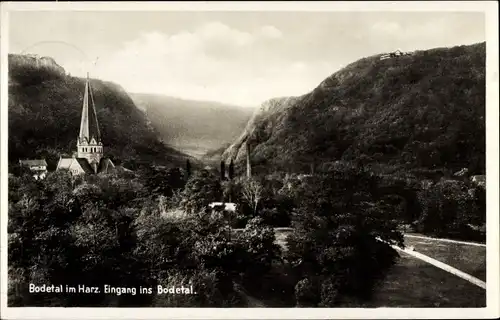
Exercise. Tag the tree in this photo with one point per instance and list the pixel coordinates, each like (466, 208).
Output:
(188, 168)
(231, 170)
(338, 224)
(222, 170)
(165, 181)
(201, 189)
(260, 244)
(448, 207)
(252, 193)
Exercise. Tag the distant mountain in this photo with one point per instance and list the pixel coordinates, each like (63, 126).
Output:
(421, 112)
(45, 106)
(195, 127)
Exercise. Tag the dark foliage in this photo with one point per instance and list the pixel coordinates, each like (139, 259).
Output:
(337, 249)
(452, 209)
(188, 167)
(231, 170)
(222, 171)
(108, 230)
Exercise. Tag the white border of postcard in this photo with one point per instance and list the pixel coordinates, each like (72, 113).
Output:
(490, 9)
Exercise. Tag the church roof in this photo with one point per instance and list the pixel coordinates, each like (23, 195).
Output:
(89, 126)
(105, 165)
(85, 165)
(64, 163)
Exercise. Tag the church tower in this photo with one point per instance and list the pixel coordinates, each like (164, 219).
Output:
(89, 144)
(89, 157)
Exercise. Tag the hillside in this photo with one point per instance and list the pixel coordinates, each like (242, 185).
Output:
(44, 117)
(423, 112)
(195, 127)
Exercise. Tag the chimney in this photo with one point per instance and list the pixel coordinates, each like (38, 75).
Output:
(249, 166)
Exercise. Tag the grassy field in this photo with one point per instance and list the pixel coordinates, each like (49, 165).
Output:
(466, 258)
(414, 283)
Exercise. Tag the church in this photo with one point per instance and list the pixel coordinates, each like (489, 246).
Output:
(89, 156)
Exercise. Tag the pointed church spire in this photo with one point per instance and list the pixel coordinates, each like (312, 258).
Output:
(89, 127)
(84, 123)
(89, 143)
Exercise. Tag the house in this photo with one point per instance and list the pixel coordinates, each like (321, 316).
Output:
(89, 156)
(479, 180)
(394, 54)
(37, 166)
(223, 206)
(461, 173)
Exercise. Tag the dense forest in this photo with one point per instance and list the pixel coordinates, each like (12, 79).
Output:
(45, 106)
(422, 113)
(149, 228)
(154, 227)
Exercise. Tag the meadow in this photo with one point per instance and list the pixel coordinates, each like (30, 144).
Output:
(466, 258)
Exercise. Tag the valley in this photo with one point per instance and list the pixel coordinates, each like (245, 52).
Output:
(297, 192)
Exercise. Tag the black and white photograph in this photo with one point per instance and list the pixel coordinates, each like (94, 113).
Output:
(227, 159)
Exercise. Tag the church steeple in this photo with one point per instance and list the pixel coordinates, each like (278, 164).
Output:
(89, 143)
(89, 127)
(89, 158)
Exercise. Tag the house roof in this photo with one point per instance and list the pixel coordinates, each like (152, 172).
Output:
(33, 162)
(105, 165)
(86, 167)
(64, 163)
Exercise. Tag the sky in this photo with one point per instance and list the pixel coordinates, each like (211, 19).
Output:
(239, 58)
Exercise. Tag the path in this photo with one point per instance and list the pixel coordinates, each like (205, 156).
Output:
(443, 266)
(251, 301)
(447, 240)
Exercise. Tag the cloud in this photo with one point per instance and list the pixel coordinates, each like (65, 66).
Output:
(251, 63)
(219, 32)
(211, 62)
(271, 32)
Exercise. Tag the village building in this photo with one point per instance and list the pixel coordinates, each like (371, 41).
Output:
(395, 54)
(479, 180)
(223, 206)
(89, 156)
(38, 167)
